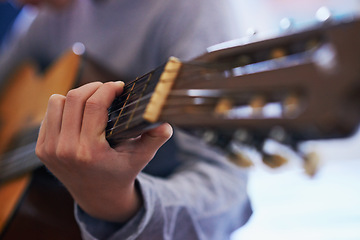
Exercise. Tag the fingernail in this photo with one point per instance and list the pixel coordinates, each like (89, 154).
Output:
(121, 83)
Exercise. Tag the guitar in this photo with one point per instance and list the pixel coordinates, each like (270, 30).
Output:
(292, 88)
(36, 204)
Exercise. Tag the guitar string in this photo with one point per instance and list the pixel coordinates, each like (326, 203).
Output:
(21, 158)
(129, 105)
(167, 112)
(129, 92)
(122, 124)
(140, 85)
(183, 77)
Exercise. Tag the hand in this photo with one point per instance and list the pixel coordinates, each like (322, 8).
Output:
(73, 147)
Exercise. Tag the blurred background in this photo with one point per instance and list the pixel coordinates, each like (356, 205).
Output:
(287, 203)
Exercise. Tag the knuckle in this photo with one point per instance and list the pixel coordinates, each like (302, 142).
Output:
(73, 95)
(93, 106)
(39, 151)
(70, 154)
(63, 152)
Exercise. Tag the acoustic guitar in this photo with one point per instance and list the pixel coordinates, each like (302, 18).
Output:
(291, 88)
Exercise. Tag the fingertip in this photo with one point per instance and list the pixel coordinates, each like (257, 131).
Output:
(167, 129)
(120, 83)
(163, 131)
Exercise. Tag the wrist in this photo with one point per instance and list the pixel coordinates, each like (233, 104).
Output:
(117, 205)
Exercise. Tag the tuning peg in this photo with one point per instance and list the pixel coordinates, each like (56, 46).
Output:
(241, 159)
(241, 136)
(291, 105)
(257, 104)
(311, 163)
(277, 53)
(273, 160)
(278, 134)
(210, 136)
(223, 106)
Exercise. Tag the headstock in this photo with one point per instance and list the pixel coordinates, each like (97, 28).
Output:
(296, 87)
(292, 88)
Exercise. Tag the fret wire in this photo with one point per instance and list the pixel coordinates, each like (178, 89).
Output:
(143, 77)
(116, 106)
(137, 104)
(122, 102)
(145, 81)
(140, 117)
(138, 86)
(123, 108)
(134, 121)
(165, 70)
(124, 123)
(165, 111)
(129, 105)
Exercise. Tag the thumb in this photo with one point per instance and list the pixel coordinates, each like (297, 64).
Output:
(153, 139)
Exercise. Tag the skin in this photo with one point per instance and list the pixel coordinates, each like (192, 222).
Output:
(73, 147)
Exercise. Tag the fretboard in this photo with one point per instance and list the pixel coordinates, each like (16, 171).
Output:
(138, 107)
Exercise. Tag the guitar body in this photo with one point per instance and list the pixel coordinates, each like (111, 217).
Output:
(22, 106)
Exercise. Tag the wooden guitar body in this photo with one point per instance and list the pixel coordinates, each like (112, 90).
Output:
(22, 107)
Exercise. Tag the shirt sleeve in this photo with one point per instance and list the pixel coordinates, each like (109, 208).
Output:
(205, 199)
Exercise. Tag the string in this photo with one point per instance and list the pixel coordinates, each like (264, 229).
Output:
(123, 94)
(128, 106)
(17, 161)
(182, 77)
(119, 125)
(137, 104)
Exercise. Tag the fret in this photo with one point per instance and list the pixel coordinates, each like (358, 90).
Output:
(138, 102)
(127, 110)
(122, 109)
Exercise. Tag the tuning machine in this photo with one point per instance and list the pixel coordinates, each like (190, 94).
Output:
(311, 163)
(274, 149)
(310, 159)
(239, 150)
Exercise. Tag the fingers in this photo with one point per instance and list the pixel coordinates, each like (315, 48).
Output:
(74, 108)
(49, 133)
(95, 113)
(63, 122)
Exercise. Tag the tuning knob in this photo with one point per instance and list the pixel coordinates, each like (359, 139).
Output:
(241, 159)
(311, 163)
(273, 160)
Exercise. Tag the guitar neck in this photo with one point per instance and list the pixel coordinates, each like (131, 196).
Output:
(305, 82)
